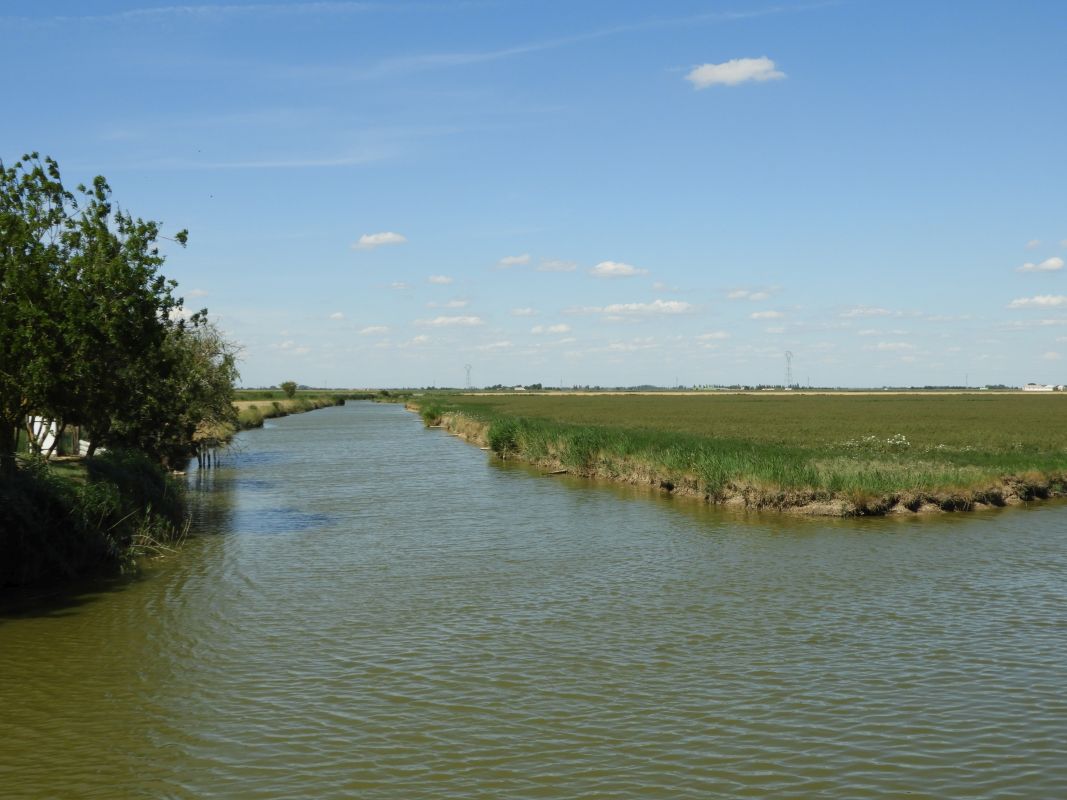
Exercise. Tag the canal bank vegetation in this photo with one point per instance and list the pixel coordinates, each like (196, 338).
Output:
(94, 338)
(829, 455)
(252, 413)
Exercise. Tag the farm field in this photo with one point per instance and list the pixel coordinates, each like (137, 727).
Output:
(859, 453)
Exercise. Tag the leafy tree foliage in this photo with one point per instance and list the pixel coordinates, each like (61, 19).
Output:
(91, 332)
(289, 387)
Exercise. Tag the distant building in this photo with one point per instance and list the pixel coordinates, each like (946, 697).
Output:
(1039, 387)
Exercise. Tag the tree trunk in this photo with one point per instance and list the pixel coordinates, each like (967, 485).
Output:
(60, 429)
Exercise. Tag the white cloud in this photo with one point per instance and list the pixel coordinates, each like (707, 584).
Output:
(1048, 265)
(733, 72)
(459, 321)
(775, 330)
(372, 329)
(655, 307)
(705, 337)
(495, 346)
(556, 265)
(561, 328)
(748, 294)
(337, 315)
(766, 315)
(514, 261)
(439, 279)
(876, 332)
(1039, 301)
(524, 312)
(400, 285)
(1051, 355)
(196, 293)
(616, 269)
(892, 347)
(623, 309)
(867, 311)
(289, 346)
(179, 313)
(369, 241)
(632, 346)
(421, 339)
(1033, 244)
(448, 304)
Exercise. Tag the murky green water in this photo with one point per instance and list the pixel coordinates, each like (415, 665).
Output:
(373, 610)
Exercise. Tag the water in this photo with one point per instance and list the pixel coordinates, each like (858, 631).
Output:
(374, 610)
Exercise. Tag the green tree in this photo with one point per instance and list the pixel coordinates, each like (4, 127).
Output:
(90, 331)
(33, 212)
(289, 387)
(116, 314)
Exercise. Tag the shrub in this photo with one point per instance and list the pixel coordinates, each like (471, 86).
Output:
(431, 413)
(504, 436)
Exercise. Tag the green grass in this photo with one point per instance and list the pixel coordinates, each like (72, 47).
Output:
(871, 450)
(62, 520)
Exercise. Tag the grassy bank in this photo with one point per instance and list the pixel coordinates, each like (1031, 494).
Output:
(67, 519)
(253, 406)
(252, 412)
(823, 454)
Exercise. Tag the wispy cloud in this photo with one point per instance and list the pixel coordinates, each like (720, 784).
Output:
(432, 61)
(371, 330)
(368, 156)
(766, 315)
(616, 269)
(458, 321)
(561, 328)
(204, 12)
(892, 347)
(624, 309)
(867, 311)
(748, 294)
(1048, 265)
(1033, 244)
(371, 241)
(502, 345)
(441, 280)
(290, 347)
(1039, 301)
(523, 312)
(514, 261)
(337, 315)
(194, 293)
(733, 72)
(448, 304)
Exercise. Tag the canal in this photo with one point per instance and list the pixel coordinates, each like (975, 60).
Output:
(370, 609)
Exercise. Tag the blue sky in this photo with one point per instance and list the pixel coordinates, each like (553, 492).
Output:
(609, 193)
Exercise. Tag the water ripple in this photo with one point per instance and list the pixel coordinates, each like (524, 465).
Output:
(423, 623)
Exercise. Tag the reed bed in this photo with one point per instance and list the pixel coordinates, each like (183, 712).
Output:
(816, 454)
